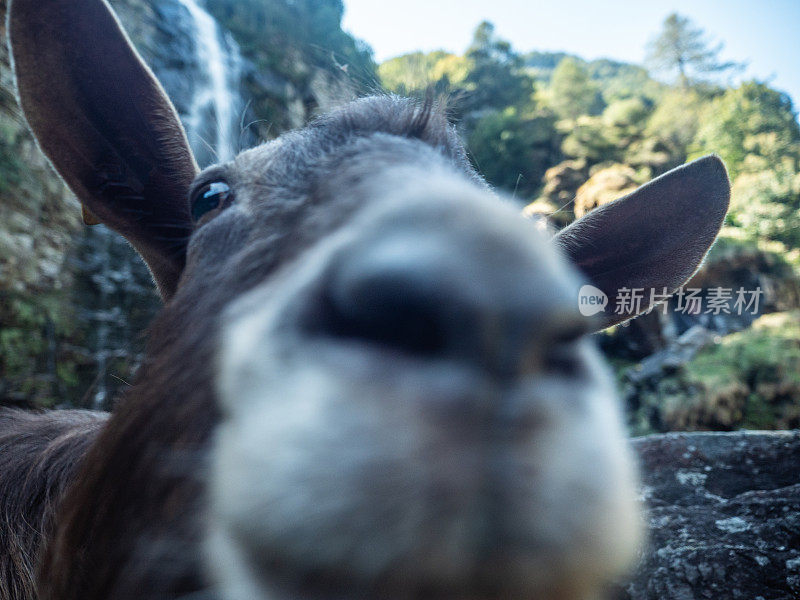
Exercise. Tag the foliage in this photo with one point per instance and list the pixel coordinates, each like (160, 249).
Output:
(513, 150)
(412, 74)
(496, 78)
(618, 81)
(766, 204)
(614, 136)
(524, 114)
(764, 362)
(511, 140)
(681, 49)
(674, 122)
(572, 93)
(752, 355)
(755, 130)
(35, 366)
(752, 127)
(745, 380)
(284, 34)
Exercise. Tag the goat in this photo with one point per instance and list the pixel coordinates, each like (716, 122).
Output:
(370, 377)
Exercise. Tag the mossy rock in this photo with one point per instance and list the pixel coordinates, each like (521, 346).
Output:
(746, 380)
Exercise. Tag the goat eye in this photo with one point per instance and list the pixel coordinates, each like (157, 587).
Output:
(210, 196)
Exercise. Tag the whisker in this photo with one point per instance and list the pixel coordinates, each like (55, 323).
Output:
(516, 185)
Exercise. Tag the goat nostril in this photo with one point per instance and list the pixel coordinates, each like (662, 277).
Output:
(386, 309)
(414, 295)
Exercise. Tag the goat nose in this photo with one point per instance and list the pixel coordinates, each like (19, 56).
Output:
(426, 295)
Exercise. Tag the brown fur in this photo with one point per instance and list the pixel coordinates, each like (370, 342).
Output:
(39, 455)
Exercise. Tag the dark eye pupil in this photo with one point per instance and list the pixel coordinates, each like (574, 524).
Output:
(209, 198)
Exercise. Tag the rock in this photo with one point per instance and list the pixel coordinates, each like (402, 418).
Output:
(703, 381)
(681, 351)
(560, 185)
(562, 181)
(723, 514)
(604, 186)
(734, 263)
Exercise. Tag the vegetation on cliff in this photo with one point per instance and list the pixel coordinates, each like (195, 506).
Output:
(53, 290)
(746, 380)
(295, 49)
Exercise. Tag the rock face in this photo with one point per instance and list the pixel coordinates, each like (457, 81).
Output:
(561, 182)
(723, 517)
(604, 186)
(703, 381)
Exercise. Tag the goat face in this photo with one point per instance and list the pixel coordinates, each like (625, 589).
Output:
(410, 404)
(403, 399)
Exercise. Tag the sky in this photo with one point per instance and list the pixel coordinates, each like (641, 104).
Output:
(762, 33)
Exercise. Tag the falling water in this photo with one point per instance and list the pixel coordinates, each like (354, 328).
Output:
(115, 296)
(114, 290)
(211, 120)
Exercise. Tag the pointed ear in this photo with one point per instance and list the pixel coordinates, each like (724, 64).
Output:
(651, 239)
(106, 124)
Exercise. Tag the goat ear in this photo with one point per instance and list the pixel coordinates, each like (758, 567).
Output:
(651, 239)
(106, 124)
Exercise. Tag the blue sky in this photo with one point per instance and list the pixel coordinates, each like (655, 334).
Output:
(763, 33)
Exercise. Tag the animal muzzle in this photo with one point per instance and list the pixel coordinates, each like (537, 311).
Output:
(415, 408)
(425, 287)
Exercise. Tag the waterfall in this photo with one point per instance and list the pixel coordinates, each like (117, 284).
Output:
(211, 122)
(114, 293)
(114, 296)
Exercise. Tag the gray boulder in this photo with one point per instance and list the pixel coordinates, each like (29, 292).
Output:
(723, 517)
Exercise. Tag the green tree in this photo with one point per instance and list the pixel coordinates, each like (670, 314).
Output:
(620, 81)
(496, 78)
(513, 150)
(417, 72)
(682, 50)
(572, 93)
(615, 136)
(752, 127)
(766, 204)
(590, 138)
(675, 121)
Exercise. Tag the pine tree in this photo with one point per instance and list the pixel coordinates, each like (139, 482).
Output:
(683, 49)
